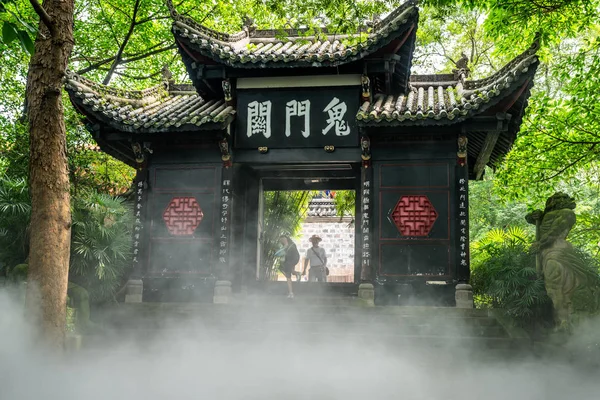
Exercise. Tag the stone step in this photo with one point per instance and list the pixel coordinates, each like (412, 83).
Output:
(280, 308)
(432, 328)
(330, 319)
(393, 327)
(376, 321)
(391, 342)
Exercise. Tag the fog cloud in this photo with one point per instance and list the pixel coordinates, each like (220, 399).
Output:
(281, 359)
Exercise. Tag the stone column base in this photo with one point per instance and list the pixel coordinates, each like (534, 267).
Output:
(222, 292)
(366, 293)
(134, 290)
(464, 296)
(72, 342)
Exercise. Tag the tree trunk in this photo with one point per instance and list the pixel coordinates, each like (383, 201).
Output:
(48, 173)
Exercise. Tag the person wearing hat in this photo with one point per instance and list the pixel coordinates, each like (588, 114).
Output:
(318, 261)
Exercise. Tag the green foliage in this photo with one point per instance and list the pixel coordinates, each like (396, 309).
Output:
(584, 300)
(514, 21)
(18, 273)
(15, 209)
(504, 275)
(101, 244)
(345, 202)
(487, 209)
(559, 140)
(100, 237)
(15, 27)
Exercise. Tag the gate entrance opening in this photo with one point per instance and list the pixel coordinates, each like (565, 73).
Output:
(299, 201)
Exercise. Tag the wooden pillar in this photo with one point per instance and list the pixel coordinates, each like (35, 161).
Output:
(134, 288)
(366, 290)
(463, 271)
(464, 292)
(463, 255)
(224, 274)
(365, 218)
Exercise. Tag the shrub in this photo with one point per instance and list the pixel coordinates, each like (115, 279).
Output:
(100, 244)
(15, 209)
(504, 276)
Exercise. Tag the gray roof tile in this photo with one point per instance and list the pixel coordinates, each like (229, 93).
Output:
(321, 208)
(262, 48)
(432, 100)
(162, 108)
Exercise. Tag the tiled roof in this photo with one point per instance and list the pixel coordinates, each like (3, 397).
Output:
(430, 100)
(162, 108)
(321, 208)
(252, 48)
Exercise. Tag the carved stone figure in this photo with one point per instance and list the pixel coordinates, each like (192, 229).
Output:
(225, 154)
(226, 85)
(365, 84)
(462, 150)
(78, 299)
(365, 150)
(571, 284)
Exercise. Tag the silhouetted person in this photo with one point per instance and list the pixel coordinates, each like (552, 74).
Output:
(290, 254)
(318, 261)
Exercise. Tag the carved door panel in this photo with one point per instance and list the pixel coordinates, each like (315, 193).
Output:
(413, 221)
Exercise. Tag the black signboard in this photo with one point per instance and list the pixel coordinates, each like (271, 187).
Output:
(297, 117)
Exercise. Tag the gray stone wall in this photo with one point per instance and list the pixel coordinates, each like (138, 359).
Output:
(338, 242)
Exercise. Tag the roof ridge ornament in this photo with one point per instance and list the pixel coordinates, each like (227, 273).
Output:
(248, 25)
(537, 43)
(167, 77)
(462, 70)
(171, 7)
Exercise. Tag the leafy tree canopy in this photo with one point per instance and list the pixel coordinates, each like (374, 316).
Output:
(126, 43)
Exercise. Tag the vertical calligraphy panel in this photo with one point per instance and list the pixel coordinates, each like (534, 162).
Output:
(463, 271)
(224, 218)
(140, 186)
(366, 232)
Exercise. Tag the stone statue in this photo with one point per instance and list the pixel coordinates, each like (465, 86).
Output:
(78, 298)
(571, 284)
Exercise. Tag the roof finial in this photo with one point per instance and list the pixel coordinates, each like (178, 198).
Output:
(462, 68)
(537, 41)
(171, 8)
(248, 24)
(167, 76)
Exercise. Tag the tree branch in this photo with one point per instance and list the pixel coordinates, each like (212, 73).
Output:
(43, 16)
(122, 47)
(572, 163)
(138, 78)
(152, 18)
(134, 57)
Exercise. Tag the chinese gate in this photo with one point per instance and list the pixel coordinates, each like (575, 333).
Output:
(270, 111)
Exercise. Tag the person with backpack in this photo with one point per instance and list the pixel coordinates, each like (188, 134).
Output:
(290, 257)
(318, 261)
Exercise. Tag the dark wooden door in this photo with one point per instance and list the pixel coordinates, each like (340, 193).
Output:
(413, 220)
